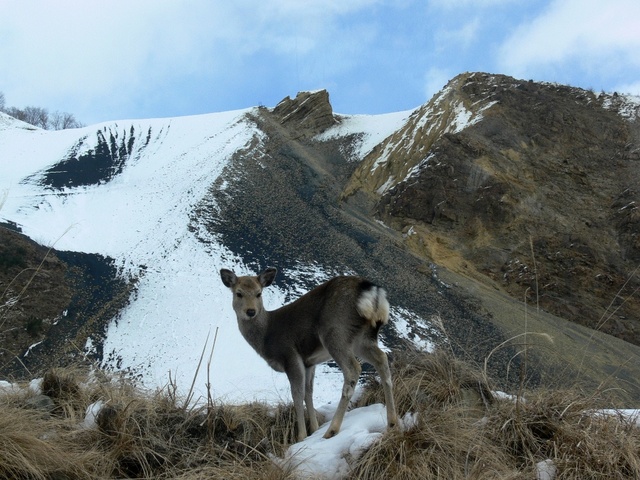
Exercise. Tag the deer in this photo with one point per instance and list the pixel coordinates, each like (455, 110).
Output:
(339, 319)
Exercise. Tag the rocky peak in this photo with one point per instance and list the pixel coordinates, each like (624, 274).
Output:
(405, 153)
(532, 186)
(310, 113)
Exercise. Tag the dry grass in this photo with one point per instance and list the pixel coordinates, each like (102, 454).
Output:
(33, 446)
(138, 434)
(459, 431)
(462, 431)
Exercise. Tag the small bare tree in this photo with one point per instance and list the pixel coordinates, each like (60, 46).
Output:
(37, 116)
(40, 117)
(62, 121)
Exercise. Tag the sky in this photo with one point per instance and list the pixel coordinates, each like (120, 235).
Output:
(119, 59)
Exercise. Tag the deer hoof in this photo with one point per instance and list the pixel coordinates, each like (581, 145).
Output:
(330, 433)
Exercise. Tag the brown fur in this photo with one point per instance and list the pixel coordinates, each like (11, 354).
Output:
(339, 319)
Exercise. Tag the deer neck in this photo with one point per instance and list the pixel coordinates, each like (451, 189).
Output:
(254, 330)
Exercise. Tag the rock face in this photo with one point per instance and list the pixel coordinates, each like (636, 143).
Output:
(531, 187)
(310, 113)
(54, 300)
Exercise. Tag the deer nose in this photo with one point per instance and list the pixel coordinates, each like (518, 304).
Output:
(251, 313)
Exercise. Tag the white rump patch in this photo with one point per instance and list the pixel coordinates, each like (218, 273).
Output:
(373, 306)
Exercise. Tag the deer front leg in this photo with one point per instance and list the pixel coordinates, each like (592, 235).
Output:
(296, 374)
(308, 398)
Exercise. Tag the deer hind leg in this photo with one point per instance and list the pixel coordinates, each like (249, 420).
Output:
(351, 370)
(295, 371)
(371, 353)
(308, 398)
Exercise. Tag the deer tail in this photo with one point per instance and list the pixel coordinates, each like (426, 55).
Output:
(373, 305)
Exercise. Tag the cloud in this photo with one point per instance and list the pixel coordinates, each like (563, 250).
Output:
(591, 35)
(78, 54)
(632, 88)
(462, 37)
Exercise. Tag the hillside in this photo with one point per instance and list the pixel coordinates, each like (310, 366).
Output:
(495, 191)
(536, 194)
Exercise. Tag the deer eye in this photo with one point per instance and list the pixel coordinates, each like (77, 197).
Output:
(259, 294)
(238, 294)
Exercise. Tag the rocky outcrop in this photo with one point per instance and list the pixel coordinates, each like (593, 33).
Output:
(310, 113)
(531, 187)
(51, 302)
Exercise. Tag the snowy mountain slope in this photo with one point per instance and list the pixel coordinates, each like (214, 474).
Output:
(139, 217)
(370, 130)
(127, 190)
(171, 201)
(403, 154)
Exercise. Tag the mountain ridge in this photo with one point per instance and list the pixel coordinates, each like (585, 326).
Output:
(315, 194)
(493, 197)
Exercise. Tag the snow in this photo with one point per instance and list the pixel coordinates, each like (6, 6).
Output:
(627, 415)
(320, 458)
(546, 470)
(8, 387)
(91, 415)
(627, 106)
(372, 129)
(140, 218)
(410, 326)
(464, 118)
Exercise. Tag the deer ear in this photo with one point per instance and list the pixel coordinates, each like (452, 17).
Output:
(228, 277)
(266, 277)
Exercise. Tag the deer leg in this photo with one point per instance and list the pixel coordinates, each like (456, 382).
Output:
(351, 370)
(372, 354)
(296, 374)
(308, 397)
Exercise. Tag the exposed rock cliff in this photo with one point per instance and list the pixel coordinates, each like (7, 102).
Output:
(531, 187)
(310, 113)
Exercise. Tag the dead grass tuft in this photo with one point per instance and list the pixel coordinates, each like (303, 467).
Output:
(433, 380)
(462, 431)
(562, 425)
(36, 446)
(444, 443)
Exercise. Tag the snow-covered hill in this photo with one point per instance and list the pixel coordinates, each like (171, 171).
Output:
(127, 190)
(315, 194)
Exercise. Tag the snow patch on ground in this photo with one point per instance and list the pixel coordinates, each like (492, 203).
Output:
(320, 458)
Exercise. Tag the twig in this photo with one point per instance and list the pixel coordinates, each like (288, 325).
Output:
(195, 375)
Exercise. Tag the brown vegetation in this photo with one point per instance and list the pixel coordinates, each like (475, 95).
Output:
(459, 431)
(547, 170)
